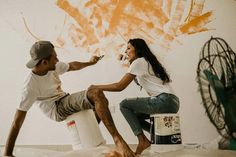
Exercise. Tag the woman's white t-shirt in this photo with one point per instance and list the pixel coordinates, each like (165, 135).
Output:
(147, 79)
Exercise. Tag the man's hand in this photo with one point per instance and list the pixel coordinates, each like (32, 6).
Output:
(94, 59)
(75, 65)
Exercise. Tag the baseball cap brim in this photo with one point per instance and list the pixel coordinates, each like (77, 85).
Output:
(32, 63)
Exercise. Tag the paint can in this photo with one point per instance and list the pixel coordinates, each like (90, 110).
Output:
(165, 132)
(84, 130)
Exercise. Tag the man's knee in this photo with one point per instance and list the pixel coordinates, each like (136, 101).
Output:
(95, 92)
(97, 96)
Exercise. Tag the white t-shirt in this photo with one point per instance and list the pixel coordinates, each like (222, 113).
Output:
(43, 90)
(147, 79)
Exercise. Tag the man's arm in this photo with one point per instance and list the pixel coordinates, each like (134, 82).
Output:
(15, 128)
(80, 65)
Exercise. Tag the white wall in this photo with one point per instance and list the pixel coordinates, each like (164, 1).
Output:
(181, 62)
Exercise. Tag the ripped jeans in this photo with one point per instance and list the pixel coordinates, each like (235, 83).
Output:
(137, 110)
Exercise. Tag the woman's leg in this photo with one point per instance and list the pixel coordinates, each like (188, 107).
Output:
(136, 111)
(130, 109)
(143, 143)
(144, 120)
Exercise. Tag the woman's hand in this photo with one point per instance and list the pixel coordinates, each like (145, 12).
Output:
(92, 87)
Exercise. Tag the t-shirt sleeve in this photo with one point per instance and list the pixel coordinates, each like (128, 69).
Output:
(27, 99)
(62, 67)
(136, 68)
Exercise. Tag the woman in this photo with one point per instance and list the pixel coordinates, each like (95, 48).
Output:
(148, 73)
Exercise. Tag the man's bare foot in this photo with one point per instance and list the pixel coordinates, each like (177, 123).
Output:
(124, 148)
(113, 153)
(142, 146)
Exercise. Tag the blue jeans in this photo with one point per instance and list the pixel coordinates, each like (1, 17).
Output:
(137, 110)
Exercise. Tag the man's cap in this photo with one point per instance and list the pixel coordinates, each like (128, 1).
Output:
(39, 50)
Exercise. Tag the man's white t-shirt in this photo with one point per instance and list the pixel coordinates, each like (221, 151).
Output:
(147, 79)
(43, 90)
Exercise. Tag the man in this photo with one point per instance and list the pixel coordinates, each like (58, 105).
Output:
(43, 88)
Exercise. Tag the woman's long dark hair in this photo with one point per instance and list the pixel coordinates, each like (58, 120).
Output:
(142, 50)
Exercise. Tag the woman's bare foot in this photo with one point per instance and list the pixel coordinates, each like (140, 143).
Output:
(141, 147)
(143, 144)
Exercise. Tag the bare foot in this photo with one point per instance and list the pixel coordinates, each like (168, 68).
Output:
(123, 147)
(113, 153)
(142, 146)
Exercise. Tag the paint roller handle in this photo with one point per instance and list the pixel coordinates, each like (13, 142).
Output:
(122, 57)
(94, 59)
(100, 57)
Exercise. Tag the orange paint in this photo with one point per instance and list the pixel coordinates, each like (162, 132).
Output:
(60, 42)
(159, 2)
(87, 30)
(148, 36)
(100, 12)
(167, 7)
(76, 36)
(175, 22)
(196, 9)
(117, 15)
(196, 24)
(153, 20)
(152, 10)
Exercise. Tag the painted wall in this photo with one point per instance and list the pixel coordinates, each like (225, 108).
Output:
(175, 30)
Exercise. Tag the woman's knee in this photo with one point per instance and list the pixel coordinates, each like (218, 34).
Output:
(123, 104)
(175, 106)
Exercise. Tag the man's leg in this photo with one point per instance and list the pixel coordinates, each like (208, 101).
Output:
(97, 117)
(98, 98)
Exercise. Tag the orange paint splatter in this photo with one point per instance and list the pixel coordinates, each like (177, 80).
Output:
(156, 21)
(133, 18)
(151, 9)
(60, 42)
(196, 9)
(160, 2)
(196, 24)
(167, 7)
(117, 15)
(175, 22)
(86, 29)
